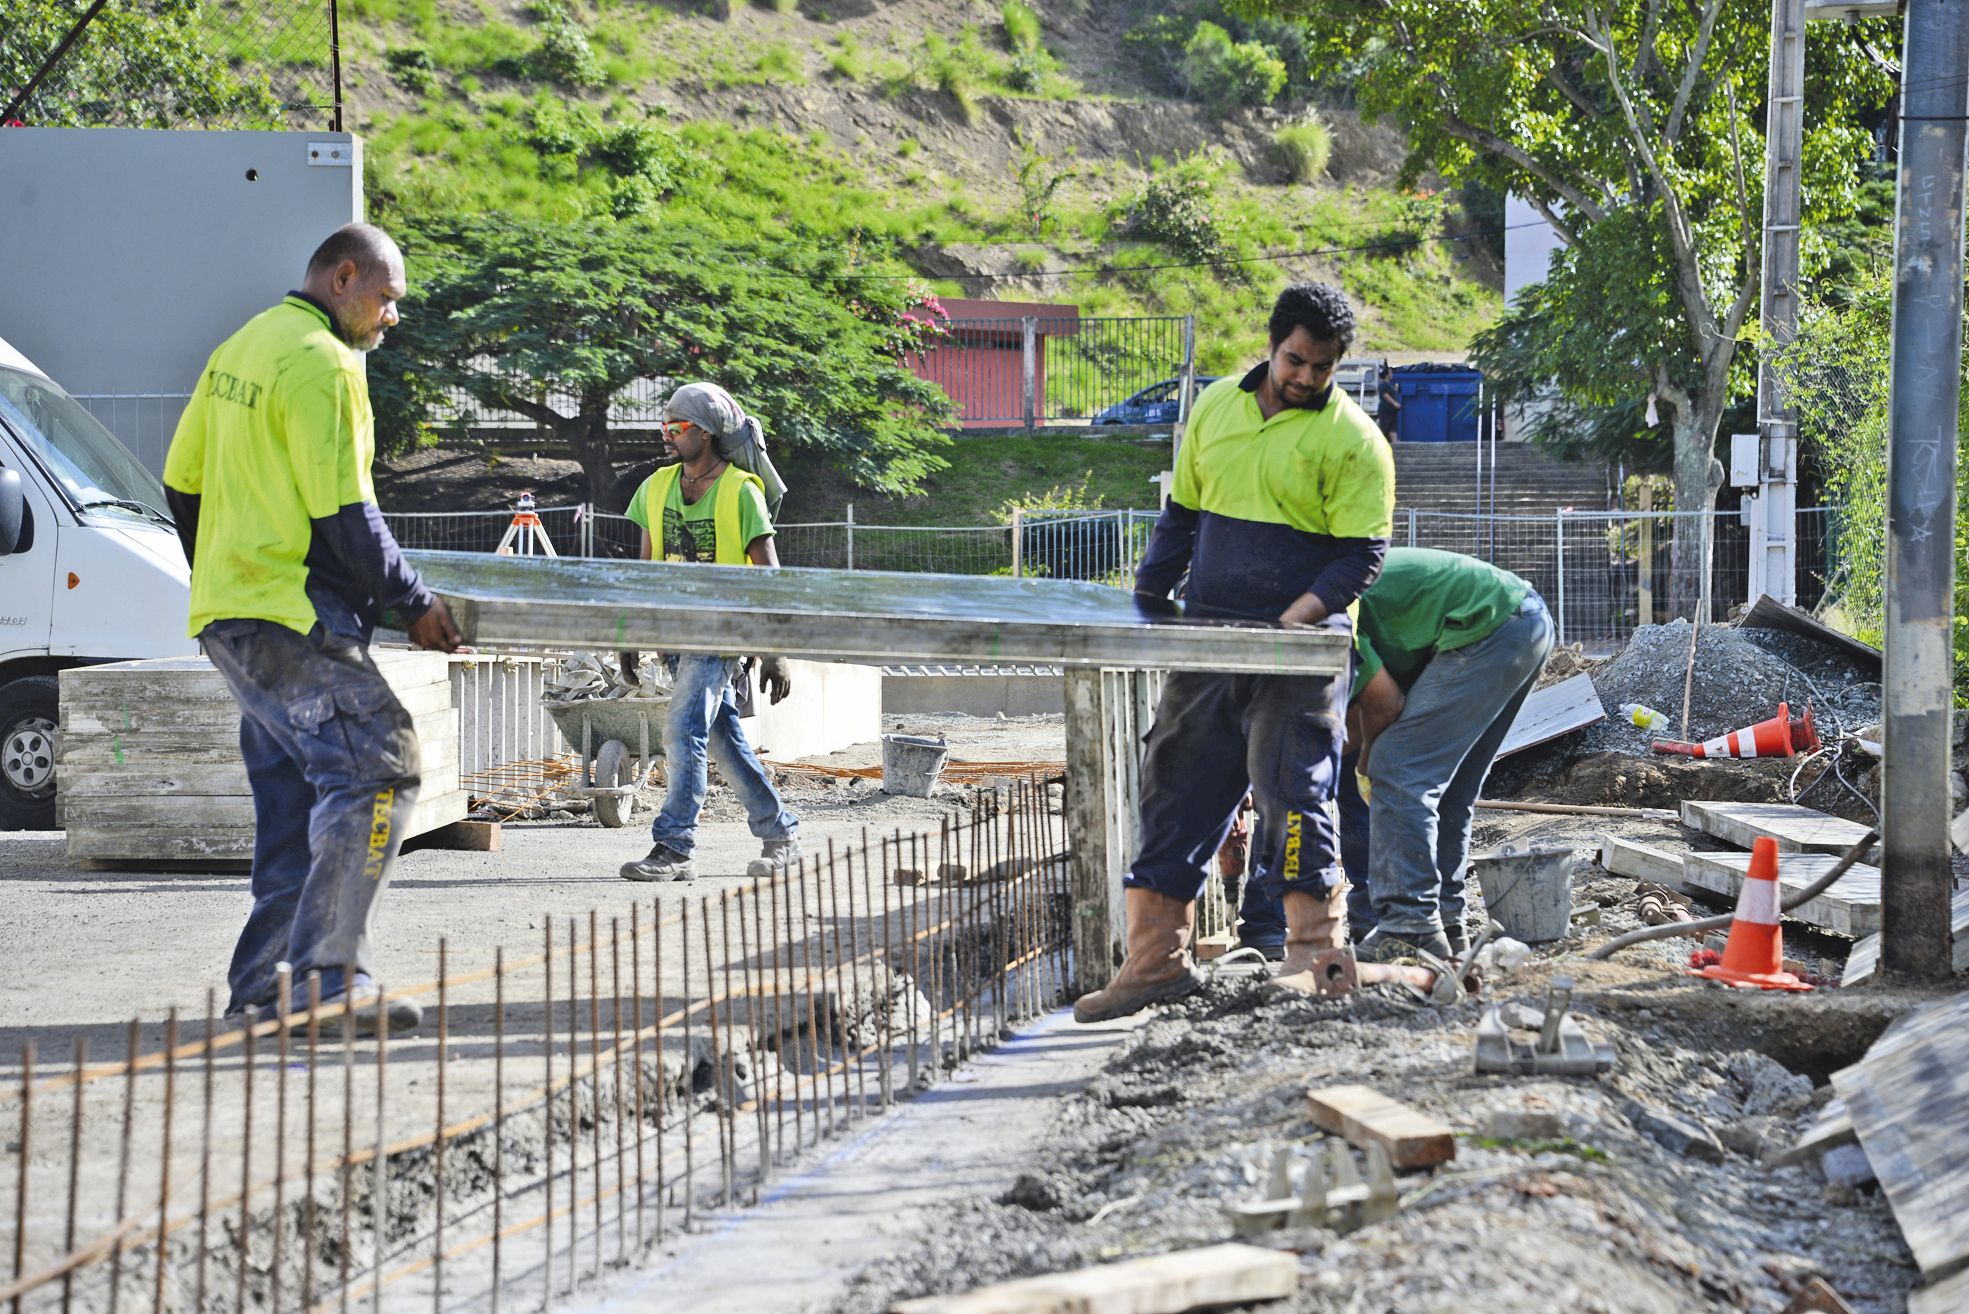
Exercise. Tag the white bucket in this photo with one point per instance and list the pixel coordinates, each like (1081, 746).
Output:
(911, 764)
(1529, 892)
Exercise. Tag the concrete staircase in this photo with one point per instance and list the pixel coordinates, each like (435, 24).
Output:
(1444, 478)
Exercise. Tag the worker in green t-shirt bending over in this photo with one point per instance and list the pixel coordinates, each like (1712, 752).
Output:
(1449, 647)
(706, 509)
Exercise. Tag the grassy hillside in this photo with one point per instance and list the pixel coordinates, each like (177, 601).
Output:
(996, 156)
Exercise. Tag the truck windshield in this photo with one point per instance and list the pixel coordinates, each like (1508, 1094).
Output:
(94, 469)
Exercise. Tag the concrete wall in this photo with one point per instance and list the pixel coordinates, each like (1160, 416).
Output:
(833, 705)
(126, 255)
(974, 695)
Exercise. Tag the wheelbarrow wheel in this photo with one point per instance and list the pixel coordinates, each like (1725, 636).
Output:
(612, 770)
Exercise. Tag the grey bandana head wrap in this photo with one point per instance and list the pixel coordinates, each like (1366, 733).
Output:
(740, 438)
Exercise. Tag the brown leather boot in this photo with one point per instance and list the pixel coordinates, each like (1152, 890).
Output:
(1312, 924)
(1158, 964)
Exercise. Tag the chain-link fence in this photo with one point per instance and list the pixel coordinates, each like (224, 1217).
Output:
(169, 64)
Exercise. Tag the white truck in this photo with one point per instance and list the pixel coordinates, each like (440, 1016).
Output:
(90, 571)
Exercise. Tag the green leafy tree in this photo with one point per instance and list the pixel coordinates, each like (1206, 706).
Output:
(516, 313)
(1224, 74)
(147, 64)
(1838, 374)
(1636, 128)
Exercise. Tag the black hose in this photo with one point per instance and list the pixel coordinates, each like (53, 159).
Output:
(1718, 922)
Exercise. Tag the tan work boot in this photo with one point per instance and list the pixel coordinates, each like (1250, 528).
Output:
(1158, 964)
(1312, 924)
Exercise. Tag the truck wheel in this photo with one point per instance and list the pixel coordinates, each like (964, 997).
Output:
(27, 753)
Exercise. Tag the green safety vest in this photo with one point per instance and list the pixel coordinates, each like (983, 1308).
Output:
(724, 512)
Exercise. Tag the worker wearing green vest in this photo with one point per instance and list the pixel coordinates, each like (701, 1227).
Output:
(706, 509)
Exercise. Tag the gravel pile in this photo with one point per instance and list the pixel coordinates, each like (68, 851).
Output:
(1740, 678)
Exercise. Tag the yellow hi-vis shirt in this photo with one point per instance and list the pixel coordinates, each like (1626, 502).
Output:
(733, 510)
(278, 433)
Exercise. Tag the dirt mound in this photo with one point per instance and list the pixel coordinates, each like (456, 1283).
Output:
(1611, 779)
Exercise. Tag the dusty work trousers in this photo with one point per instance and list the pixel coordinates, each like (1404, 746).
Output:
(1216, 736)
(332, 759)
(1429, 766)
(703, 721)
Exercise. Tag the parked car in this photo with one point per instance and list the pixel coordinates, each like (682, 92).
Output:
(1155, 404)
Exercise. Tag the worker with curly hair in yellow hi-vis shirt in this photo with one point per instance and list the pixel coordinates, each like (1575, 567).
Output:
(706, 508)
(291, 567)
(1282, 505)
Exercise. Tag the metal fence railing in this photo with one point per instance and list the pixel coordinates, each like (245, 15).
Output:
(1603, 573)
(142, 421)
(1059, 370)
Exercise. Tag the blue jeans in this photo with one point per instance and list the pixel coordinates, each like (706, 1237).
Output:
(1261, 911)
(1429, 766)
(332, 759)
(1215, 736)
(703, 718)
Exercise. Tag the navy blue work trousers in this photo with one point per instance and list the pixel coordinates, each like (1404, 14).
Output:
(1216, 736)
(332, 759)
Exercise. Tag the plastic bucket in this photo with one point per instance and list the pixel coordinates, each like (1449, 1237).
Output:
(911, 764)
(1528, 892)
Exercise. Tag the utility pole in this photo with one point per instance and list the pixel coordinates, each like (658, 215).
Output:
(1774, 506)
(1925, 391)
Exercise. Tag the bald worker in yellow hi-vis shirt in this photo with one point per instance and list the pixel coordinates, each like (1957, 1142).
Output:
(291, 567)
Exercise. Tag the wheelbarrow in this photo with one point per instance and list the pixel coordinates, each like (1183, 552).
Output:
(605, 727)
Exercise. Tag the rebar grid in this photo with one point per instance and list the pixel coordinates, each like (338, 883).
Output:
(764, 998)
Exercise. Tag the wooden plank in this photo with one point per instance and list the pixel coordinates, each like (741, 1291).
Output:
(1210, 947)
(108, 716)
(204, 746)
(1559, 709)
(199, 840)
(1163, 1284)
(1865, 958)
(1909, 1101)
(459, 836)
(1767, 613)
(1851, 907)
(1366, 1117)
(1624, 857)
(1796, 829)
(437, 761)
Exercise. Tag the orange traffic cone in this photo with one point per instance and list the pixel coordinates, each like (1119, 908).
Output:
(1754, 956)
(1772, 738)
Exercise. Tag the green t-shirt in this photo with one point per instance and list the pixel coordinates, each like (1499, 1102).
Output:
(277, 434)
(690, 529)
(1426, 602)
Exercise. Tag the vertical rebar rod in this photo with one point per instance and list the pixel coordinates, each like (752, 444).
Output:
(728, 1100)
(636, 1066)
(855, 1046)
(839, 992)
(719, 1096)
(769, 962)
(662, 1084)
(310, 1210)
(547, 1111)
(498, 1117)
(689, 1076)
(759, 1107)
(621, 1131)
(247, 1058)
(283, 978)
(123, 1160)
(889, 972)
(911, 924)
(24, 1148)
(205, 1154)
(813, 1017)
(573, 1108)
(437, 1146)
(346, 1257)
(74, 1173)
(595, 1071)
(788, 1030)
(164, 1156)
(380, 1169)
